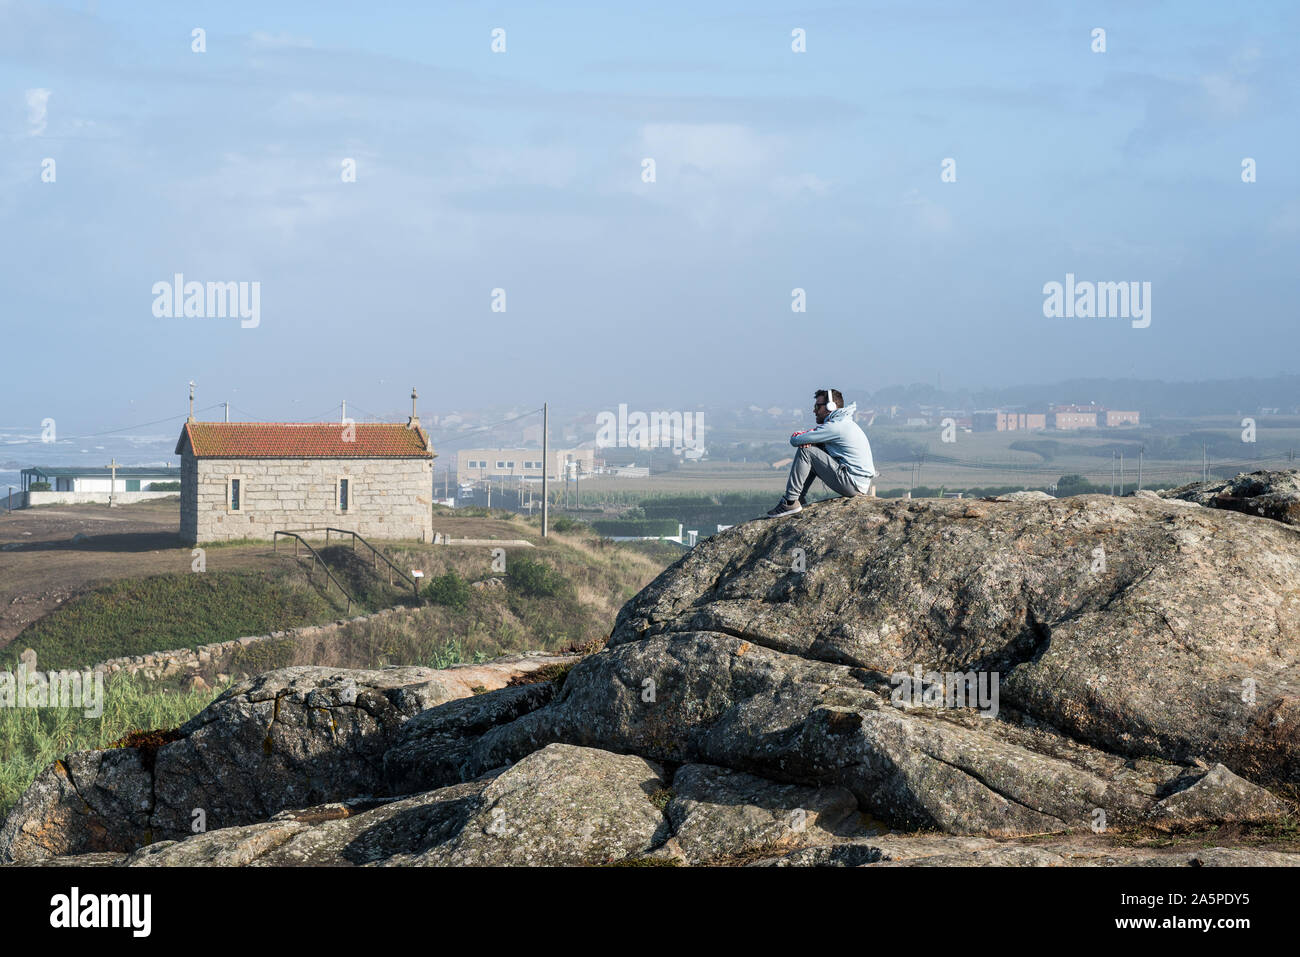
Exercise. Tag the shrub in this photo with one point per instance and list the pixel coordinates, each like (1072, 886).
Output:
(641, 527)
(450, 590)
(39, 487)
(164, 487)
(563, 524)
(534, 578)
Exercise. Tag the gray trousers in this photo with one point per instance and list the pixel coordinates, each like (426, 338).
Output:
(812, 462)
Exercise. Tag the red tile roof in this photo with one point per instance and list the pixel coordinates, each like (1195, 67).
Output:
(302, 440)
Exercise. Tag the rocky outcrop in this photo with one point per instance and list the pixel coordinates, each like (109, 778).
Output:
(286, 739)
(1270, 494)
(561, 805)
(867, 682)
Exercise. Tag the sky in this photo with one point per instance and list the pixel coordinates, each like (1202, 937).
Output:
(524, 171)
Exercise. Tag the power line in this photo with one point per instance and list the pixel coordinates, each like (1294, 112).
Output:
(142, 425)
(463, 436)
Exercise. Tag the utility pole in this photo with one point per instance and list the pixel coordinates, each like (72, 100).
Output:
(1121, 474)
(112, 482)
(546, 465)
(1205, 463)
(1141, 450)
(1112, 472)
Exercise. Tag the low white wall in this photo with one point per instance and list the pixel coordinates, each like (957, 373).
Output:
(89, 498)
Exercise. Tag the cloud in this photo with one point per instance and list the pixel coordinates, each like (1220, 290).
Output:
(37, 104)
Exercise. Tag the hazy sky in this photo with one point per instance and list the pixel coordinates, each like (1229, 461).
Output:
(522, 171)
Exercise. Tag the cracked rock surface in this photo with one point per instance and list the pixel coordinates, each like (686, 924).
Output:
(291, 738)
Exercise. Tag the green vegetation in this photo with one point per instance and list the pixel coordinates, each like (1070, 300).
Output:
(39, 487)
(32, 738)
(563, 596)
(636, 526)
(164, 487)
(449, 590)
(563, 524)
(534, 578)
(135, 616)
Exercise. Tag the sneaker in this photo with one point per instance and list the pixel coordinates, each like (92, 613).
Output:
(785, 508)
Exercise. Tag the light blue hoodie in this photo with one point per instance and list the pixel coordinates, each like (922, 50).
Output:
(844, 441)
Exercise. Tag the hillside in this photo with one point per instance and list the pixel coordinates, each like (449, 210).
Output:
(135, 616)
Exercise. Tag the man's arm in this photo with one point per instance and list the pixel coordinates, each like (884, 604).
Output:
(823, 433)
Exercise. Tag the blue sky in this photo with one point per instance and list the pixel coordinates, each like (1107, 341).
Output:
(522, 170)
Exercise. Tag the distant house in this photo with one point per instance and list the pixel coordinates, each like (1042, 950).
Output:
(80, 479)
(1115, 419)
(248, 480)
(477, 465)
(999, 421)
(1065, 417)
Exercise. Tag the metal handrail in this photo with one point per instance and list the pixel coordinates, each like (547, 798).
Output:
(376, 553)
(275, 547)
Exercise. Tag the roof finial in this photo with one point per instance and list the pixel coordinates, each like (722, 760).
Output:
(191, 418)
(414, 421)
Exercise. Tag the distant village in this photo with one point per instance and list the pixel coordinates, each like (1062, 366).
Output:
(1062, 417)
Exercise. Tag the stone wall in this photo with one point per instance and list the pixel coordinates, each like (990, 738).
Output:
(388, 498)
(217, 657)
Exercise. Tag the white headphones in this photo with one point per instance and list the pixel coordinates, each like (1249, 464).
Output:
(830, 401)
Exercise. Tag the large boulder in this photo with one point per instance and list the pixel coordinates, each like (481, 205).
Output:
(1131, 639)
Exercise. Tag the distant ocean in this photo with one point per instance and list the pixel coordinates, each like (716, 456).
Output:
(23, 448)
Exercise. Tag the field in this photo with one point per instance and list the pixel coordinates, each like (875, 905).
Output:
(1173, 456)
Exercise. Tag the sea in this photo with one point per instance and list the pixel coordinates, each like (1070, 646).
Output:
(21, 448)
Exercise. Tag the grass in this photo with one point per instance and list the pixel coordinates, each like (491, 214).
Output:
(136, 616)
(33, 738)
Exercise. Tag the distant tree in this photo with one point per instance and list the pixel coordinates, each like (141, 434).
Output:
(1073, 485)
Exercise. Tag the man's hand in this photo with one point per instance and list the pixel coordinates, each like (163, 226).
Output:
(800, 433)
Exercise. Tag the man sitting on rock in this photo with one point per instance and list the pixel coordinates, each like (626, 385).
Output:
(836, 451)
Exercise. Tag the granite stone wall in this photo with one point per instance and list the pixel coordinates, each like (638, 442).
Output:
(388, 498)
